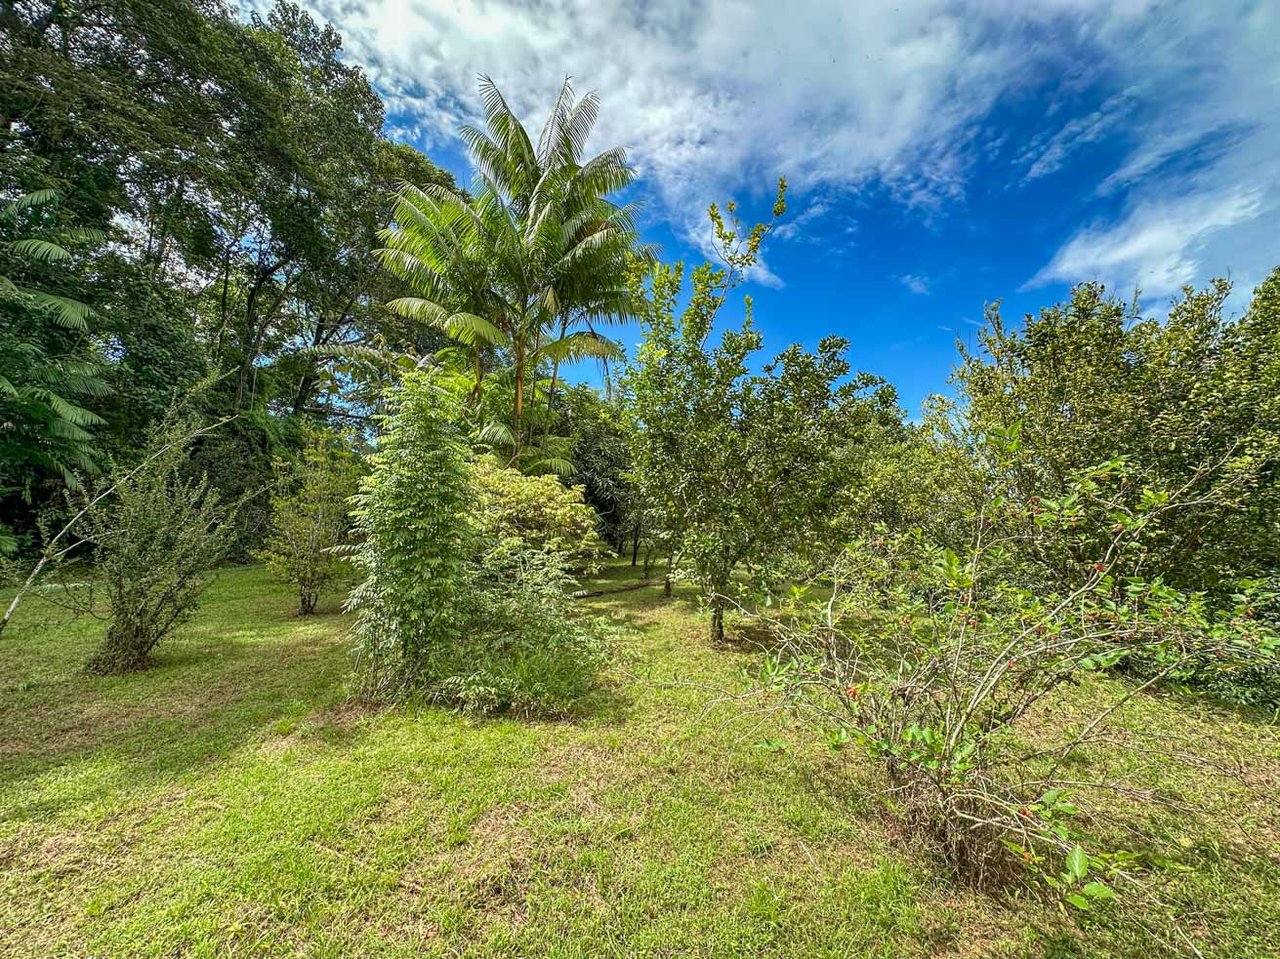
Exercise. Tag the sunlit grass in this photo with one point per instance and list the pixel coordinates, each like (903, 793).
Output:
(232, 801)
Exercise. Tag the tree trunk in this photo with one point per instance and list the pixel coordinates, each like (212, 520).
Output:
(717, 620)
(519, 412)
(255, 331)
(126, 649)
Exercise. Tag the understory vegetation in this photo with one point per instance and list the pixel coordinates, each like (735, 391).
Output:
(1002, 678)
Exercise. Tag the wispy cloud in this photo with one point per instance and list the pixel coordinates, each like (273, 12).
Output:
(1201, 182)
(917, 284)
(1158, 246)
(1047, 154)
(716, 98)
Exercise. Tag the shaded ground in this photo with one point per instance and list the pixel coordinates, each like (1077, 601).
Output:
(231, 802)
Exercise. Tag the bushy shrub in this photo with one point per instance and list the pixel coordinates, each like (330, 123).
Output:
(156, 536)
(527, 652)
(449, 608)
(537, 511)
(411, 516)
(928, 659)
(311, 518)
(1252, 682)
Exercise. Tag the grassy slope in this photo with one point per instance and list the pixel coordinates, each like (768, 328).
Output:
(230, 802)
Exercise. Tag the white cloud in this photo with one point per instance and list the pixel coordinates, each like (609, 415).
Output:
(1047, 154)
(1158, 246)
(715, 97)
(1201, 184)
(720, 97)
(919, 285)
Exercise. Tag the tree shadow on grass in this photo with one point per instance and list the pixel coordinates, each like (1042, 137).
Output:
(212, 689)
(247, 671)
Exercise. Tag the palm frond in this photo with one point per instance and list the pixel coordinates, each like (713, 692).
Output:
(41, 251)
(68, 313)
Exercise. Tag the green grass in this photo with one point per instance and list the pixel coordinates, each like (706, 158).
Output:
(231, 801)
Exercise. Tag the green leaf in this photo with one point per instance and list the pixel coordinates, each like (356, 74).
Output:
(1077, 863)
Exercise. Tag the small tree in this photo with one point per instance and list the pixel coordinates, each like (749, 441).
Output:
(411, 514)
(311, 519)
(735, 469)
(157, 537)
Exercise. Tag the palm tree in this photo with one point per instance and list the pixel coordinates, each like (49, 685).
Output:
(44, 362)
(535, 259)
(48, 362)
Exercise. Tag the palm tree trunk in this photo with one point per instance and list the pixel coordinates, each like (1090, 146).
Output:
(519, 411)
(555, 370)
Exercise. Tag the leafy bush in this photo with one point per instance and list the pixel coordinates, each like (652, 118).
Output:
(462, 615)
(311, 518)
(929, 660)
(411, 515)
(527, 652)
(1250, 682)
(538, 511)
(157, 536)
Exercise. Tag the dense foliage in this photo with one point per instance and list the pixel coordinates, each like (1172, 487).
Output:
(156, 536)
(311, 518)
(537, 512)
(1193, 401)
(186, 193)
(49, 365)
(466, 591)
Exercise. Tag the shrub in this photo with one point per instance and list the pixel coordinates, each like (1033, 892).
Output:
(411, 515)
(311, 518)
(450, 608)
(538, 511)
(157, 536)
(928, 659)
(526, 652)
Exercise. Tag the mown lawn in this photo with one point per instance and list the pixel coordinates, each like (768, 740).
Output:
(231, 801)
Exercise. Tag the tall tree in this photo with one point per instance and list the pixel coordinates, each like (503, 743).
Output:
(539, 250)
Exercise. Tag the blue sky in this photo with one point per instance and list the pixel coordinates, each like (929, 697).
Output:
(941, 154)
